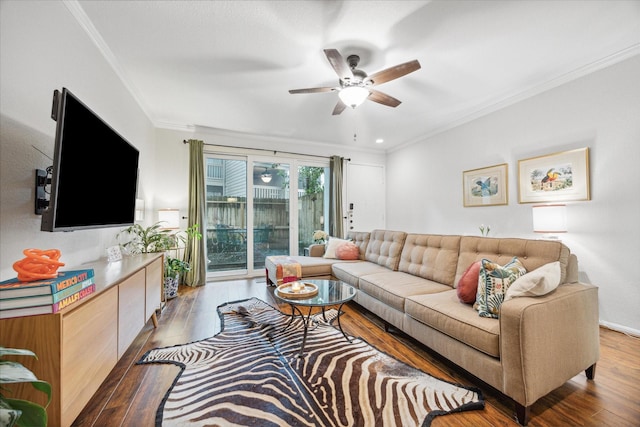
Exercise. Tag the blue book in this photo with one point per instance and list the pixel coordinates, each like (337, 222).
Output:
(35, 300)
(13, 288)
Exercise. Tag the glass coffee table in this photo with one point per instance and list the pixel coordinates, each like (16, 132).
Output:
(329, 293)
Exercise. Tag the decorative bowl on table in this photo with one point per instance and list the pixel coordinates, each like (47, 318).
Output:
(298, 289)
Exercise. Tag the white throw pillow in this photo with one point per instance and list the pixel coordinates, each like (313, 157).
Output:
(332, 244)
(538, 282)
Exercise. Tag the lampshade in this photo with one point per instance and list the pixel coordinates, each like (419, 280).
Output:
(169, 218)
(549, 219)
(139, 214)
(353, 95)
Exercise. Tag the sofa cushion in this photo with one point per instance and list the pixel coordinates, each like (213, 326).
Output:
(385, 247)
(309, 266)
(494, 281)
(443, 311)
(347, 251)
(361, 239)
(332, 245)
(430, 256)
(392, 287)
(538, 282)
(468, 284)
(350, 271)
(531, 253)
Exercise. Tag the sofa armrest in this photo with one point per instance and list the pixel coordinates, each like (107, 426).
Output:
(316, 250)
(545, 341)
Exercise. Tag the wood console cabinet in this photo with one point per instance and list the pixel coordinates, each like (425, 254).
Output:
(78, 346)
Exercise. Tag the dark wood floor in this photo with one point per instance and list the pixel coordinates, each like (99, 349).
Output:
(132, 393)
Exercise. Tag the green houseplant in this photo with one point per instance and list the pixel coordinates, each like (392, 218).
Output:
(147, 239)
(19, 412)
(173, 268)
(156, 239)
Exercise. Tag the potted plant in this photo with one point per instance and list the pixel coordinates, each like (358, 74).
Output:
(156, 239)
(19, 412)
(173, 268)
(320, 236)
(150, 239)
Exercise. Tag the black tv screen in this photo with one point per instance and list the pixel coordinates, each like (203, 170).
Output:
(94, 174)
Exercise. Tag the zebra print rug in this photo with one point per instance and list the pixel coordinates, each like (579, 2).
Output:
(250, 374)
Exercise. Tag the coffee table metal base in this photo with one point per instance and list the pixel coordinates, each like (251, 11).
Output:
(307, 320)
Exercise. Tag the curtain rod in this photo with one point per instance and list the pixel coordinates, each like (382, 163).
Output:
(264, 149)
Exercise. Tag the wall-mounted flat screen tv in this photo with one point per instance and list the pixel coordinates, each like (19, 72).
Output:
(94, 173)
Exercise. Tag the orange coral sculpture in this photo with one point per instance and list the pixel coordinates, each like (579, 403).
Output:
(38, 265)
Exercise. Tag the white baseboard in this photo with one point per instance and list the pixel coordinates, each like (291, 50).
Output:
(620, 328)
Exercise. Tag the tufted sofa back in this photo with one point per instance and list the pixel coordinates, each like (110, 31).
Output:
(531, 253)
(361, 239)
(431, 256)
(384, 248)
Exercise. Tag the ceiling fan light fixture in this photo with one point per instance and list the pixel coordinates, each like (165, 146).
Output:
(353, 95)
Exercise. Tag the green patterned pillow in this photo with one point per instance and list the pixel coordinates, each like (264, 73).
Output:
(493, 282)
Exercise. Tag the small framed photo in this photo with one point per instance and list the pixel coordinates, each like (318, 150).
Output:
(485, 186)
(114, 253)
(557, 177)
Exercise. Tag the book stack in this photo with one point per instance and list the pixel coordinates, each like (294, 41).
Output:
(45, 296)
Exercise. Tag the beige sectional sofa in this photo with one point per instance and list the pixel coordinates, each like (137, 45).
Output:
(409, 280)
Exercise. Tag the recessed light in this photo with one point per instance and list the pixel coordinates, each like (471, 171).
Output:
(379, 141)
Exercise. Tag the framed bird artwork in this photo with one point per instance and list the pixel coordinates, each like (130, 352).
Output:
(485, 186)
(557, 177)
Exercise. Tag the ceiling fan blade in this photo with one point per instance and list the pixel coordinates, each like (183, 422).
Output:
(339, 108)
(383, 98)
(393, 73)
(339, 64)
(313, 90)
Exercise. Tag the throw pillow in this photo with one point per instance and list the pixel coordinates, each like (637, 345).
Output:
(468, 284)
(540, 281)
(493, 283)
(347, 251)
(332, 244)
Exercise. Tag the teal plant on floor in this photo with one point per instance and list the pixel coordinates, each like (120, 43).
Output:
(19, 412)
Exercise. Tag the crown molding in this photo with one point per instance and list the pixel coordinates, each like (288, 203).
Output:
(516, 97)
(85, 23)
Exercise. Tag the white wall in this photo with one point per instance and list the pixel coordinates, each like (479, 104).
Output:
(43, 48)
(600, 111)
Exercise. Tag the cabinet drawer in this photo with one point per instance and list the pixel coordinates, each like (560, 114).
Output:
(89, 351)
(154, 288)
(131, 303)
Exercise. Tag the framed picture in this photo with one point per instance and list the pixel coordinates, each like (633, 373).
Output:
(557, 177)
(485, 186)
(114, 253)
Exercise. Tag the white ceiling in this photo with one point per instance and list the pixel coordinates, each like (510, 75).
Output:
(229, 64)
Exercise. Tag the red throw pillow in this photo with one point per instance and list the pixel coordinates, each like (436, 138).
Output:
(348, 251)
(468, 284)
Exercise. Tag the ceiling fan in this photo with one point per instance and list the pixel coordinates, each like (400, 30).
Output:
(355, 85)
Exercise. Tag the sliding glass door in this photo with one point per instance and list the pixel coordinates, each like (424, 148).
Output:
(260, 206)
(271, 211)
(313, 203)
(226, 214)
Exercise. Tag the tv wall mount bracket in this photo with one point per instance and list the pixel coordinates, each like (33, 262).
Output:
(42, 180)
